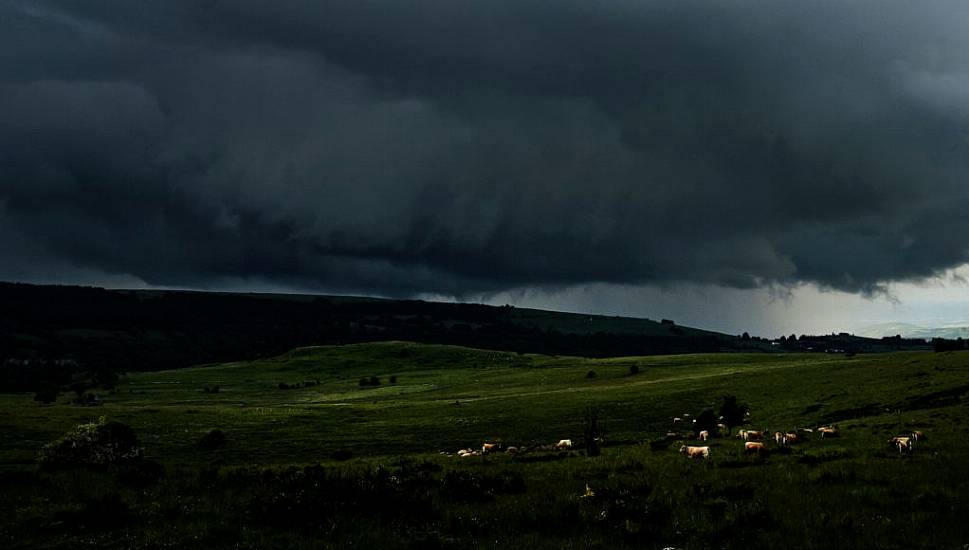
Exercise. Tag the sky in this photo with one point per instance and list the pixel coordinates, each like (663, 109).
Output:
(771, 167)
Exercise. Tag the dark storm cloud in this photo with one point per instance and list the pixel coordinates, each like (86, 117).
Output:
(464, 146)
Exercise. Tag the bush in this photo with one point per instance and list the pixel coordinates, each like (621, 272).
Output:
(100, 443)
(591, 374)
(212, 389)
(212, 440)
(633, 369)
(393, 379)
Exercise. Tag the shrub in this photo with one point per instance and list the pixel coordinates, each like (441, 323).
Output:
(212, 440)
(393, 379)
(100, 443)
(591, 374)
(212, 389)
(374, 381)
(633, 369)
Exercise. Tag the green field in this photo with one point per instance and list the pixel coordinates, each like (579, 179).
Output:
(384, 484)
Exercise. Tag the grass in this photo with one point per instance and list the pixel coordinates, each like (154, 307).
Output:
(396, 491)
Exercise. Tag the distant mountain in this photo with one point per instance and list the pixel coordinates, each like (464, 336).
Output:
(906, 330)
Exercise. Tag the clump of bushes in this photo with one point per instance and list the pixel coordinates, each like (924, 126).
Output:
(212, 389)
(393, 378)
(371, 381)
(633, 369)
(213, 439)
(98, 444)
(298, 385)
(591, 374)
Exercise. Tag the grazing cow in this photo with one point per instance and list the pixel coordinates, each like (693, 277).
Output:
(512, 450)
(677, 419)
(904, 444)
(751, 435)
(778, 438)
(791, 438)
(489, 448)
(918, 436)
(704, 435)
(755, 447)
(564, 444)
(695, 452)
(723, 427)
(806, 430)
(828, 431)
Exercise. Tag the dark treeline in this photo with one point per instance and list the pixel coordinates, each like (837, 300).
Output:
(51, 334)
(54, 335)
(945, 344)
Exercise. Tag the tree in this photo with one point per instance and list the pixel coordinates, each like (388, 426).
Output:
(733, 412)
(706, 420)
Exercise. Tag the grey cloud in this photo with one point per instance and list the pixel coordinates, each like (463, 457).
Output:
(467, 147)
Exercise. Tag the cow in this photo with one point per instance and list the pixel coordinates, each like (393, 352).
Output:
(489, 448)
(778, 438)
(751, 435)
(564, 444)
(704, 435)
(512, 450)
(828, 431)
(918, 436)
(791, 438)
(677, 419)
(904, 444)
(723, 427)
(695, 452)
(755, 447)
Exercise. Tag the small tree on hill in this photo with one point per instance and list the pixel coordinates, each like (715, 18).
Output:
(733, 412)
(706, 420)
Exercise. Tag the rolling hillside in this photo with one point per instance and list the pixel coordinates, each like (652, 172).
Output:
(282, 416)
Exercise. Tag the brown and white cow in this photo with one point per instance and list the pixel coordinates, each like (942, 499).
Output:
(904, 444)
(828, 431)
(564, 444)
(755, 447)
(791, 437)
(695, 452)
(704, 435)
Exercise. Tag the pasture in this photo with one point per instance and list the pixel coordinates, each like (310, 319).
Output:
(335, 464)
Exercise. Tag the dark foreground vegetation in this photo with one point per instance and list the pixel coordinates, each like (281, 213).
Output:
(78, 338)
(163, 463)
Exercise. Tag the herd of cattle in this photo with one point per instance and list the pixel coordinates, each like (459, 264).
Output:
(755, 441)
(489, 448)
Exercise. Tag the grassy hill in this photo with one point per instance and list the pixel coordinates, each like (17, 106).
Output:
(382, 482)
